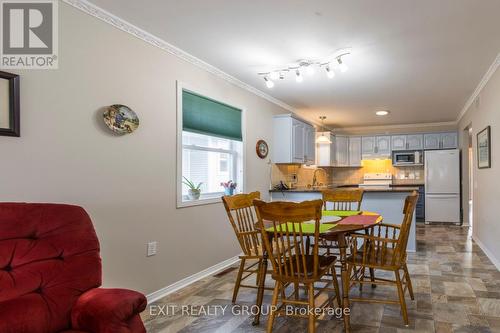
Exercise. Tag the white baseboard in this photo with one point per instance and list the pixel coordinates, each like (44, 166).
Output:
(156, 295)
(488, 253)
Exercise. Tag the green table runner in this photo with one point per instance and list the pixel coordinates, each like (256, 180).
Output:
(341, 213)
(307, 228)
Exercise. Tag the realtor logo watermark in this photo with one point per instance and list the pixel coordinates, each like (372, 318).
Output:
(29, 36)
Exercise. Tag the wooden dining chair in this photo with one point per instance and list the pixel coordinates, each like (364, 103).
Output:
(291, 260)
(340, 199)
(385, 249)
(241, 213)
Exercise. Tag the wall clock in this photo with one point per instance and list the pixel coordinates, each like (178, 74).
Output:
(262, 149)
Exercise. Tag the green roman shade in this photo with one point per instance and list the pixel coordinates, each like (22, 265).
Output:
(206, 116)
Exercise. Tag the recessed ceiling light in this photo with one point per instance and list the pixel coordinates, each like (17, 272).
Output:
(382, 113)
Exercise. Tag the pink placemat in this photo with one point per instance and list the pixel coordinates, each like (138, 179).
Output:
(360, 219)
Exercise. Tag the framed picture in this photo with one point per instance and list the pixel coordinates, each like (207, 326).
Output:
(484, 148)
(9, 104)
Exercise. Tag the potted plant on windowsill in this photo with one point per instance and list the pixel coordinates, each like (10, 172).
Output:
(229, 187)
(194, 191)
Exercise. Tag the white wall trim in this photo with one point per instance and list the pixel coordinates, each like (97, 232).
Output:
(488, 253)
(117, 22)
(395, 126)
(156, 295)
(486, 77)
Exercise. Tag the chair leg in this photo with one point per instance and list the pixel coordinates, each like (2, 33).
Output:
(274, 302)
(372, 277)
(336, 286)
(408, 281)
(362, 270)
(401, 294)
(238, 280)
(259, 273)
(312, 316)
(296, 290)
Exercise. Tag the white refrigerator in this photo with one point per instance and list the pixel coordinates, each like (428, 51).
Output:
(442, 186)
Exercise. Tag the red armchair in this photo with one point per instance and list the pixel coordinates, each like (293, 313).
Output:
(50, 273)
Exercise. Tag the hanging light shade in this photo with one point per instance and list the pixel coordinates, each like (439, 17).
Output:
(323, 139)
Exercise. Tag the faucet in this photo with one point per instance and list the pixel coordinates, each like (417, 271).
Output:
(315, 180)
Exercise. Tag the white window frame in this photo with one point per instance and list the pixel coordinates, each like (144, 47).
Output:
(213, 200)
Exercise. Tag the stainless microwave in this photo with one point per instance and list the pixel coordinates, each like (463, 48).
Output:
(408, 158)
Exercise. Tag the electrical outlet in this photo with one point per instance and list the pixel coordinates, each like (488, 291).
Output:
(152, 248)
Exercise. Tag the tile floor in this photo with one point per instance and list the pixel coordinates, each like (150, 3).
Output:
(457, 289)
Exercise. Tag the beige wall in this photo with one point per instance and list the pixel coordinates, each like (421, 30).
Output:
(486, 188)
(127, 183)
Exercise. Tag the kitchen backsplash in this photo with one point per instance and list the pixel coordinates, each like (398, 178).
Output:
(302, 175)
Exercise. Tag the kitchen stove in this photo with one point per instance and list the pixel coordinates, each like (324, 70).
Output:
(376, 180)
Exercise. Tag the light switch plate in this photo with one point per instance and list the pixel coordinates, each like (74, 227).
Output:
(152, 248)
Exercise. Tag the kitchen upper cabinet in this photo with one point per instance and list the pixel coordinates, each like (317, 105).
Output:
(344, 151)
(414, 142)
(432, 141)
(449, 140)
(383, 145)
(309, 144)
(298, 146)
(354, 151)
(407, 142)
(375, 146)
(294, 140)
(398, 142)
(341, 150)
(368, 145)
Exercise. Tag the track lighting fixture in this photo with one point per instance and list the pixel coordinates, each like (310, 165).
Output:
(331, 64)
(274, 75)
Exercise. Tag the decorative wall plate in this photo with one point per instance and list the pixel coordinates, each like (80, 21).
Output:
(262, 148)
(121, 119)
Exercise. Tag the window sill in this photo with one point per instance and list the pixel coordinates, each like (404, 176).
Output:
(199, 202)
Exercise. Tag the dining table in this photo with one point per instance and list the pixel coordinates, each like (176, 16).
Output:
(337, 234)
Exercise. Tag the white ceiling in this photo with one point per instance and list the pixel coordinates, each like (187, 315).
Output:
(419, 59)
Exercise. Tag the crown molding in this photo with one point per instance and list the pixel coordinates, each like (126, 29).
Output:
(394, 127)
(486, 77)
(103, 15)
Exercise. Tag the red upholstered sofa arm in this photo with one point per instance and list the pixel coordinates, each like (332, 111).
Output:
(109, 311)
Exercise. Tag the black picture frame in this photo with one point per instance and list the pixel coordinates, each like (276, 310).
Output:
(481, 163)
(14, 128)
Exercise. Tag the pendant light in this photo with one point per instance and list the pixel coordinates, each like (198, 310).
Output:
(323, 139)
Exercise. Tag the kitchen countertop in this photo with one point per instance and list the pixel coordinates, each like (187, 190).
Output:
(396, 188)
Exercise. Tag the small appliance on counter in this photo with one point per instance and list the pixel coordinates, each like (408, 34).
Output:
(376, 180)
(281, 187)
(408, 158)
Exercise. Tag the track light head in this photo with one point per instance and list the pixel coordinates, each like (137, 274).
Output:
(329, 73)
(342, 66)
(269, 83)
(298, 76)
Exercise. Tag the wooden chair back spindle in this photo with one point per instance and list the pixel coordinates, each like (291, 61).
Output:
(343, 199)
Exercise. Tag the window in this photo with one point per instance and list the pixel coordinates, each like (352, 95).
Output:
(211, 148)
